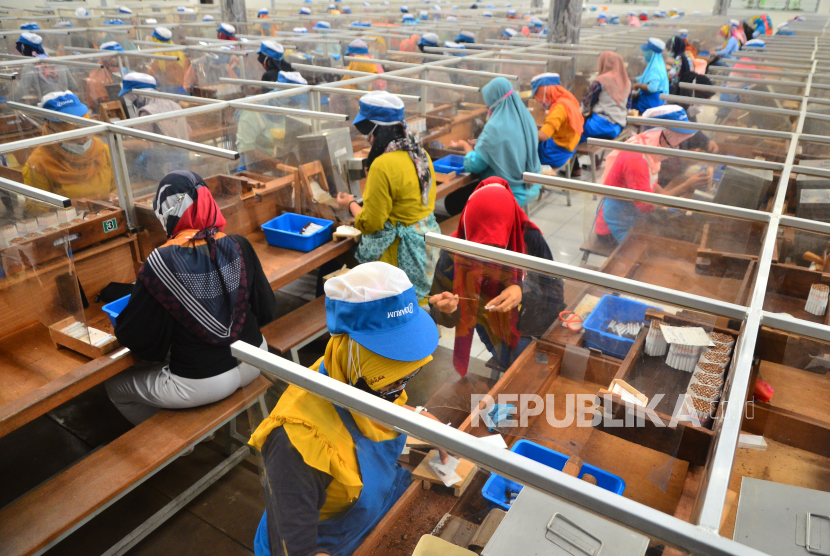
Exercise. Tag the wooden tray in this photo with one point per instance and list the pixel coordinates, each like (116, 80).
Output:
(733, 239)
(79, 346)
(83, 233)
(788, 288)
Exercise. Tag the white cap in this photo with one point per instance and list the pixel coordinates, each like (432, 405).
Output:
(140, 78)
(32, 38)
(468, 34)
(208, 17)
(81, 12)
(107, 45)
(164, 33)
(430, 37)
(150, 21)
(487, 14)
(510, 32)
(305, 11)
(300, 30)
(368, 282)
(657, 43)
(227, 28)
(124, 10)
(358, 43)
(63, 23)
(293, 77)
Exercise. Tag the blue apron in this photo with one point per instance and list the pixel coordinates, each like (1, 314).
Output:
(600, 127)
(553, 155)
(619, 216)
(384, 481)
(648, 100)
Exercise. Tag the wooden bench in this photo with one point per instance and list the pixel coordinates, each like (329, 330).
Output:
(43, 517)
(593, 151)
(450, 225)
(598, 246)
(297, 329)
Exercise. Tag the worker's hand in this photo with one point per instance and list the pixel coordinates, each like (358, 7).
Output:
(507, 300)
(464, 145)
(712, 147)
(344, 199)
(446, 302)
(696, 181)
(445, 457)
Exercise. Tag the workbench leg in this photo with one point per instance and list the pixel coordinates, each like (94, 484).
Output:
(295, 355)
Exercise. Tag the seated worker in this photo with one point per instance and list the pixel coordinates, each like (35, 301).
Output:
(654, 81)
(271, 56)
(684, 61)
(332, 474)
(639, 171)
(74, 168)
(732, 43)
(150, 106)
(171, 311)
(209, 68)
(604, 104)
(38, 80)
(96, 91)
(559, 136)
(410, 44)
(399, 197)
(366, 67)
(266, 29)
(168, 74)
(428, 39)
(259, 134)
(505, 307)
(507, 147)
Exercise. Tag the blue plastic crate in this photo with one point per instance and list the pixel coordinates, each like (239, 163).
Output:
(114, 308)
(284, 231)
(605, 480)
(449, 164)
(496, 488)
(611, 307)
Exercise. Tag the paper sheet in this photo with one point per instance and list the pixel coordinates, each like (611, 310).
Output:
(626, 395)
(685, 335)
(496, 440)
(445, 471)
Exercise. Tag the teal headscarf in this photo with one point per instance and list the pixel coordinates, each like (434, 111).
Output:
(509, 141)
(655, 70)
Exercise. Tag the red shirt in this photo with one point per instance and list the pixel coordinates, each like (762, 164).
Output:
(630, 171)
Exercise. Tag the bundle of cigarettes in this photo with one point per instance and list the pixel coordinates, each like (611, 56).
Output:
(706, 379)
(709, 393)
(711, 369)
(720, 359)
(627, 330)
(656, 344)
(683, 358)
(702, 409)
(310, 229)
(722, 339)
(817, 300)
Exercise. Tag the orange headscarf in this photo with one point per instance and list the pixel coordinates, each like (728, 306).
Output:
(557, 94)
(410, 44)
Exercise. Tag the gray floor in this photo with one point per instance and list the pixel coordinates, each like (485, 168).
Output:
(223, 520)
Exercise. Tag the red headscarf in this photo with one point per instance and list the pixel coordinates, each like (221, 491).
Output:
(491, 217)
(202, 214)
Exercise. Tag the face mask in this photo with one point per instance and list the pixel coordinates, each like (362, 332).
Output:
(388, 396)
(75, 148)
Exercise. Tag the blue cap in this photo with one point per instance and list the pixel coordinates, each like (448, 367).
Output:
(305, 11)
(543, 80)
(64, 102)
(394, 327)
(428, 39)
(163, 34)
(32, 40)
(380, 107)
(291, 77)
(135, 80)
(113, 22)
(358, 47)
(615, 19)
(31, 26)
(226, 29)
(262, 11)
(272, 49)
(466, 36)
(346, 10)
(124, 10)
(208, 17)
(602, 16)
(112, 45)
(322, 25)
(408, 18)
(757, 43)
(670, 113)
(404, 10)
(511, 12)
(655, 45)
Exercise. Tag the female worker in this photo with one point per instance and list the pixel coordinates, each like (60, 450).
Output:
(428, 39)
(266, 28)
(332, 474)
(732, 42)
(604, 104)
(73, 168)
(654, 81)
(169, 75)
(195, 295)
(560, 134)
(40, 79)
(507, 148)
(684, 61)
(399, 198)
(359, 49)
(638, 171)
(271, 56)
(504, 307)
(96, 91)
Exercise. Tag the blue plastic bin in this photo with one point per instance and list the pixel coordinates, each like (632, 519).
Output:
(449, 164)
(114, 308)
(284, 231)
(611, 307)
(605, 480)
(496, 487)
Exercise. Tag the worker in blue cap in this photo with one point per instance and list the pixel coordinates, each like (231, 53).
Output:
(655, 80)
(96, 91)
(399, 198)
(332, 474)
(37, 80)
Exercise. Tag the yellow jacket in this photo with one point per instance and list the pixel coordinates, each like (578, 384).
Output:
(558, 128)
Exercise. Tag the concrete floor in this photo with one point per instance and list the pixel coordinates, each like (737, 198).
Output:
(223, 519)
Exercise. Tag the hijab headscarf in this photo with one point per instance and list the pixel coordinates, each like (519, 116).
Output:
(492, 217)
(655, 69)
(316, 430)
(509, 141)
(557, 94)
(613, 77)
(199, 275)
(679, 49)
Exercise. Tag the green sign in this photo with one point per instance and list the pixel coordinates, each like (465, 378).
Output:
(110, 225)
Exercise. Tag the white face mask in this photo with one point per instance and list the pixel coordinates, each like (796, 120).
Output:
(75, 148)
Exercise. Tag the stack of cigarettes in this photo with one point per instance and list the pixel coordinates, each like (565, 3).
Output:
(706, 379)
(25, 227)
(702, 409)
(627, 330)
(817, 300)
(7, 234)
(709, 393)
(722, 339)
(720, 359)
(656, 344)
(310, 228)
(683, 358)
(712, 369)
(66, 215)
(47, 220)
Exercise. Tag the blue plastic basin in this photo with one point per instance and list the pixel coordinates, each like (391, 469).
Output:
(114, 308)
(284, 231)
(449, 164)
(496, 488)
(611, 307)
